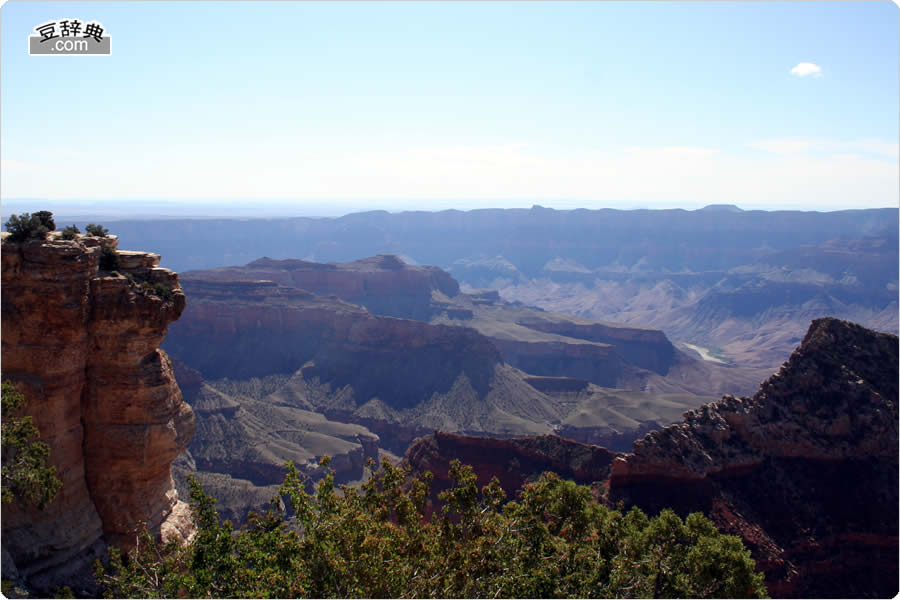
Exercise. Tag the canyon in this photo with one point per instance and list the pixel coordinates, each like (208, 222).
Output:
(742, 283)
(290, 359)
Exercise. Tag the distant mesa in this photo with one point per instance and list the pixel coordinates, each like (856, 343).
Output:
(722, 208)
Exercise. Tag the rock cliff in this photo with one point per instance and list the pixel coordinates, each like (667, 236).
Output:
(805, 470)
(82, 344)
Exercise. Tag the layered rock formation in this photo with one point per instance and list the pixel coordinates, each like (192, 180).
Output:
(805, 470)
(384, 284)
(82, 345)
(280, 329)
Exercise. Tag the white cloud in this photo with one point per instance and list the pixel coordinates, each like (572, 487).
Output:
(792, 146)
(783, 146)
(805, 69)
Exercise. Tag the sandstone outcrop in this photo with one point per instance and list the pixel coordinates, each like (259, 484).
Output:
(82, 344)
(805, 470)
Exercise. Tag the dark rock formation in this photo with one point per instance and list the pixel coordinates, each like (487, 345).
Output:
(82, 345)
(805, 470)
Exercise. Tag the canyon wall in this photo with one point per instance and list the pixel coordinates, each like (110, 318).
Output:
(82, 345)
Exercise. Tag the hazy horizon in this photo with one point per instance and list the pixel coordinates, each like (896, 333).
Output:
(199, 209)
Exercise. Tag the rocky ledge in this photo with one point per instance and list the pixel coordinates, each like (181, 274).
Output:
(82, 345)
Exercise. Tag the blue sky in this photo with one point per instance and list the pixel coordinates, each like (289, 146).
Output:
(433, 105)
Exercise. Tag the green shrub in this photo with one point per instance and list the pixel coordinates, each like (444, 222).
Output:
(157, 289)
(46, 219)
(109, 259)
(554, 541)
(30, 226)
(96, 230)
(26, 477)
(70, 233)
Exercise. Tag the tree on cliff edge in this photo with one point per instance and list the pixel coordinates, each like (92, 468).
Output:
(30, 226)
(26, 477)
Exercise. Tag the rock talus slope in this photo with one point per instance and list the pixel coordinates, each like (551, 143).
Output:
(82, 344)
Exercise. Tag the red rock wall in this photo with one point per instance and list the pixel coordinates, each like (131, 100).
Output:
(82, 346)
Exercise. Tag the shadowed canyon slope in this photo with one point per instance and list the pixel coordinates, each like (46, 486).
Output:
(805, 470)
(82, 344)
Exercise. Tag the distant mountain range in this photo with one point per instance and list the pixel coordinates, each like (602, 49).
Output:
(742, 285)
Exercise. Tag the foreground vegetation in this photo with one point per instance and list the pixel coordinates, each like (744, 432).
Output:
(26, 477)
(553, 541)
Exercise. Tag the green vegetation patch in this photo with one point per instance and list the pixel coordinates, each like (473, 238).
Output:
(151, 288)
(376, 542)
(26, 478)
(28, 226)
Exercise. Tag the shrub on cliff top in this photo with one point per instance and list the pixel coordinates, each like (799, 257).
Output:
(109, 259)
(160, 290)
(26, 477)
(30, 226)
(70, 232)
(554, 541)
(96, 230)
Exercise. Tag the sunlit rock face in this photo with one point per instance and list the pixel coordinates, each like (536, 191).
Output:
(82, 345)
